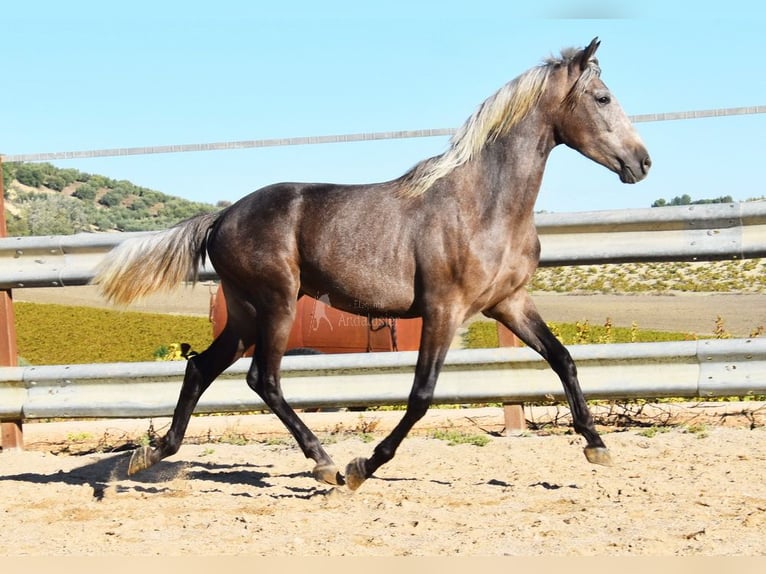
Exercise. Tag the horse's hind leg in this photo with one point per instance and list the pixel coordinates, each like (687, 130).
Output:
(520, 315)
(264, 378)
(201, 370)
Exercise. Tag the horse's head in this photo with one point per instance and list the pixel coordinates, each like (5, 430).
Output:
(588, 118)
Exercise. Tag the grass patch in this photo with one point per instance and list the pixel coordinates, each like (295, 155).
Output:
(653, 431)
(233, 438)
(454, 437)
(481, 335)
(79, 437)
(49, 334)
(700, 430)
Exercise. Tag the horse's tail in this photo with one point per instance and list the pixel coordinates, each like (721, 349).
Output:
(142, 265)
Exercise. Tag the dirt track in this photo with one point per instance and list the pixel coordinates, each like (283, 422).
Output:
(698, 489)
(693, 490)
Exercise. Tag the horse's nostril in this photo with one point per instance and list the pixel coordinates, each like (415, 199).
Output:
(647, 163)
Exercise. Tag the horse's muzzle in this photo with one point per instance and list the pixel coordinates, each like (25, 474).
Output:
(635, 172)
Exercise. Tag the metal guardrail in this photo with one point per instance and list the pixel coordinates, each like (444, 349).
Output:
(682, 233)
(705, 369)
(679, 233)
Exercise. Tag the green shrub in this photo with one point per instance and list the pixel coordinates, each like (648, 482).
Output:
(111, 198)
(86, 192)
(483, 334)
(30, 174)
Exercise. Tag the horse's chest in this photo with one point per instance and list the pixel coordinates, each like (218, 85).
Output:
(512, 268)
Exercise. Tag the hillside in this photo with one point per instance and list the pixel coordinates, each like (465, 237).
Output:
(41, 199)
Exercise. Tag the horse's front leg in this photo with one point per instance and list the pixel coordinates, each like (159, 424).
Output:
(435, 340)
(520, 315)
(264, 378)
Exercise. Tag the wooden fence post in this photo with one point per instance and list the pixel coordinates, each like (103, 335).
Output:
(513, 413)
(12, 437)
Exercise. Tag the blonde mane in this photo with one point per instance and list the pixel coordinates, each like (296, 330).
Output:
(492, 119)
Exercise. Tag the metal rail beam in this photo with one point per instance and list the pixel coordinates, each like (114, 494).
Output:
(339, 138)
(679, 233)
(706, 369)
(683, 233)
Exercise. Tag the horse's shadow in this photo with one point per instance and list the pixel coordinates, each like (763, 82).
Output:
(112, 471)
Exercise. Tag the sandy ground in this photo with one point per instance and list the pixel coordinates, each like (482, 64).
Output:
(239, 486)
(684, 312)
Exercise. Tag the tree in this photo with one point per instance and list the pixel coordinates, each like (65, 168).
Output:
(9, 174)
(71, 175)
(86, 192)
(55, 215)
(686, 199)
(30, 174)
(111, 198)
(16, 226)
(55, 182)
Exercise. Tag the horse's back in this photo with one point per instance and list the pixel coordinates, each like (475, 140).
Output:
(343, 241)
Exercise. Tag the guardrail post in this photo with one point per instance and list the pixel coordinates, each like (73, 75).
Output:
(513, 413)
(12, 437)
(515, 420)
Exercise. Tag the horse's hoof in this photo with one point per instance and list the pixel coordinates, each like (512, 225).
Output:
(356, 473)
(328, 474)
(598, 455)
(140, 460)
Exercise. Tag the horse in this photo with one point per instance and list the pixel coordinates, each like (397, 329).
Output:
(452, 237)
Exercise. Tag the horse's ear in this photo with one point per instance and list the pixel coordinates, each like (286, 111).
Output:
(586, 55)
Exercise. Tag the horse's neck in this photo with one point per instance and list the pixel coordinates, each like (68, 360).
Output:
(511, 169)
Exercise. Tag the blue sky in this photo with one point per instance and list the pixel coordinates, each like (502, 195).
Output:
(91, 75)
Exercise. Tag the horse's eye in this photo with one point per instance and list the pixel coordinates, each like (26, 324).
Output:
(603, 100)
